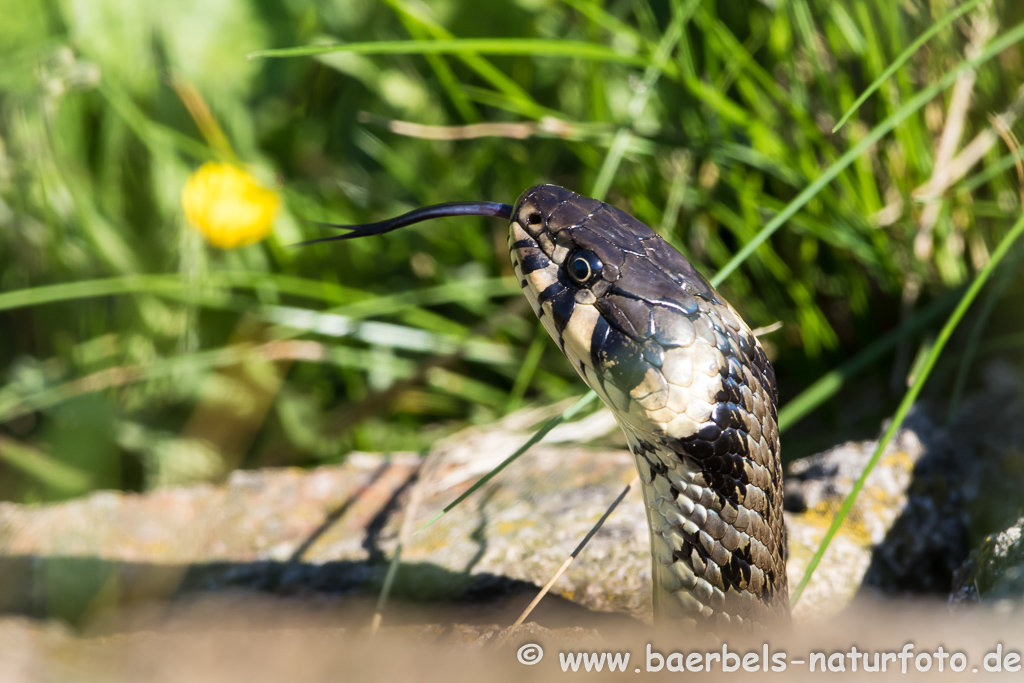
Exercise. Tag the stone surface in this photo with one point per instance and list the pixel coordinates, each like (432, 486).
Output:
(329, 534)
(815, 490)
(995, 570)
(334, 529)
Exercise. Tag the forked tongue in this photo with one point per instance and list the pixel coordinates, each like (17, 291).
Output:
(495, 209)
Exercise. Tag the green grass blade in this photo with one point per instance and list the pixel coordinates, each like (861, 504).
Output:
(623, 136)
(13, 404)
(575, 408)
(508, 47)
(450, 292)
(831, 382)
(355, 302)
(174, 284)
(601, 17)
(904, 56)
(909, 398)
(527, 369)
(611, 163)
(508, 87)
(70, 291)
(44, 468)
(1006, 40)
(1009, 270)
(151, 133)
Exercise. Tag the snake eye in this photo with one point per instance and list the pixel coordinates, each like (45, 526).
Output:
(584, 267)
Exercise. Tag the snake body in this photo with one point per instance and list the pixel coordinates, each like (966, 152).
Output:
(691, 388)
(686, 380)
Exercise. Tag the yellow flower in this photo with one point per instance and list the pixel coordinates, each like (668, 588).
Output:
(228, 206)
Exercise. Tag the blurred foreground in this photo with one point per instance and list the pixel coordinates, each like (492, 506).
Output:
(227, 640)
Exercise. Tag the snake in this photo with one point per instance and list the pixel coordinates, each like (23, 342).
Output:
(687, 382)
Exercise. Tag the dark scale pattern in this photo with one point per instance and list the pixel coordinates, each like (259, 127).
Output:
(597, 340)
(664, 346)
(562, 303)
(735, 574)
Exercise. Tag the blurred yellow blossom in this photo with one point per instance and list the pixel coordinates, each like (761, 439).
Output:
(228, 206)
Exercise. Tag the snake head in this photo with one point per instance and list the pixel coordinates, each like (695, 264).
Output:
(641, 326)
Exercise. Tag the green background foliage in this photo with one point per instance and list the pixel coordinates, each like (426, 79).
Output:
(127, 339)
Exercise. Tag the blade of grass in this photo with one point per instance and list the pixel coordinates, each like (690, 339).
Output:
(947, 19)
(357, 303)
(569, 560)
(150, 132)
(831, 382)
(385, 591)
(420, 13)
(624, 136)
(445, 75)
(600, 17)
(70, 291)
(423, 473)
(974, 338)
(1004, 41)
(173, 283)
(527, 370)
(908, 399)
(570, 413)
(740, 58)
(44, 468)
(13, 405)
(387, 334)
(508, 47)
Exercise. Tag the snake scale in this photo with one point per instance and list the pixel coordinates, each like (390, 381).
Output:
(686, 380)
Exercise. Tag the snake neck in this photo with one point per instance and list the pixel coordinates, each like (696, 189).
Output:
(690, 386)
(717, 537)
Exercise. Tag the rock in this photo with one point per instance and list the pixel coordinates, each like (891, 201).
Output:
(989, 446)
(327, 535)
(994, 571)
(951, 486)
(816, 488)
(332, 531)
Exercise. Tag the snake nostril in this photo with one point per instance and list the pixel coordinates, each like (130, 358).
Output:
(534, 218)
